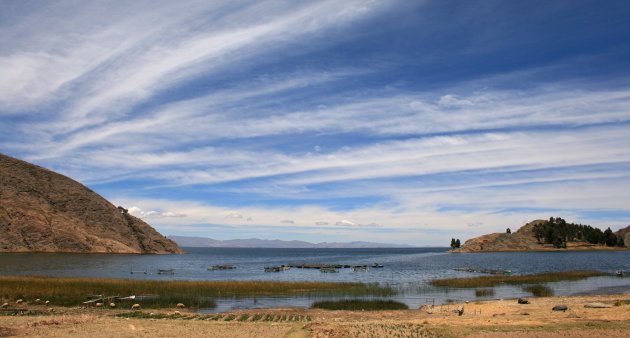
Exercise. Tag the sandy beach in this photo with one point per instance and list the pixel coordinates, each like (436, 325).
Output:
(497, 318)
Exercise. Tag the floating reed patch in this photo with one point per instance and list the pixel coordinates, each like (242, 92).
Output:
(538, 290)
(484, 292)
(360, 305)
(490, 281)
(196, 294)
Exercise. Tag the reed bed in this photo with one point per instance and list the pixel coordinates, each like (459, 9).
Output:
(360, 305)
(490, 281)
(539, 290)
(74, 291)
(484, 292)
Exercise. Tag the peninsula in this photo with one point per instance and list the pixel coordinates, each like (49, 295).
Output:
(43, 211)
(554, 234)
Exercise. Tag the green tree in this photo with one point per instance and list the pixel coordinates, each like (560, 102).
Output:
(458, 243)
(452, 243)
(609, 238)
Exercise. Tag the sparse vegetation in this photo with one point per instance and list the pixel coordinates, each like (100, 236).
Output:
(199, 294)
(360, 305)
(539, 290)
(218, 317)
(455, 243)
(490, 281)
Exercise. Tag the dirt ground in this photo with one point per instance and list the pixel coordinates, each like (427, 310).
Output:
(499, 318)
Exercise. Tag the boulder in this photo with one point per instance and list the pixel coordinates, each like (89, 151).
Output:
(560, 308)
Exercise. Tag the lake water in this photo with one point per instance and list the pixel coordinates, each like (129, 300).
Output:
(406, 269)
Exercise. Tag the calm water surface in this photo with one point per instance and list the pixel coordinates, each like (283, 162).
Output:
(408, 270)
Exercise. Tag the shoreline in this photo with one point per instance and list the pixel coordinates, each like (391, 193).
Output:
(492, 318)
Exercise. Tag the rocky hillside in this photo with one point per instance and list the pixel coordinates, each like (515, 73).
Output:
(625, 234)
(42, 211)
(522, 240)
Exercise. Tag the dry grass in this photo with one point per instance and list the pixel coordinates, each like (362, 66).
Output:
(369, 330)
(490, 281)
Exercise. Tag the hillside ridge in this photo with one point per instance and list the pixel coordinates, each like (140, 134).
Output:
(524, 239)
(44, 211)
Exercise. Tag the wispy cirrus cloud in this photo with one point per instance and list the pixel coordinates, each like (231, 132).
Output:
(324, 116)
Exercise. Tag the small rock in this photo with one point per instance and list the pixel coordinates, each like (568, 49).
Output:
(47, 302)
(523, 301)
(135, 307)
(99, 304)
(19, 301)
(180, 305)
(560, 308)
(5, 305)
(37, 301)
(112, 305)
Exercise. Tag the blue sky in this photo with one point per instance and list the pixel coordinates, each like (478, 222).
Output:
(391, 121)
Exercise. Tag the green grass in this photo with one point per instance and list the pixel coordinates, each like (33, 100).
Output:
(196, 294)
(539, 290)
(490, 281)
(484, 292)
(360, 305)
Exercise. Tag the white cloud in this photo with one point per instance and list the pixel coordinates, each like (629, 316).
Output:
(153, 213)
(346, 223)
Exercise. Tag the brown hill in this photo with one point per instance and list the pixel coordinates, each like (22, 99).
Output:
(625, 233)
(522, 240)
(42, 211)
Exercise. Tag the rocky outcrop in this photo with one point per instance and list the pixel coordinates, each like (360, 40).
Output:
(625, 234)
(522, 240)
(42, 211)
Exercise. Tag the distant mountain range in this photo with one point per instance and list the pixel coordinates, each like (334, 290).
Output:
(205, 242)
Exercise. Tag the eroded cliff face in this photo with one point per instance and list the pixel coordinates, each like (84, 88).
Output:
(42, 211)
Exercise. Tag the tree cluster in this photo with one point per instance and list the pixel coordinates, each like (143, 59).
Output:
(558, 232)
(455, 243)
